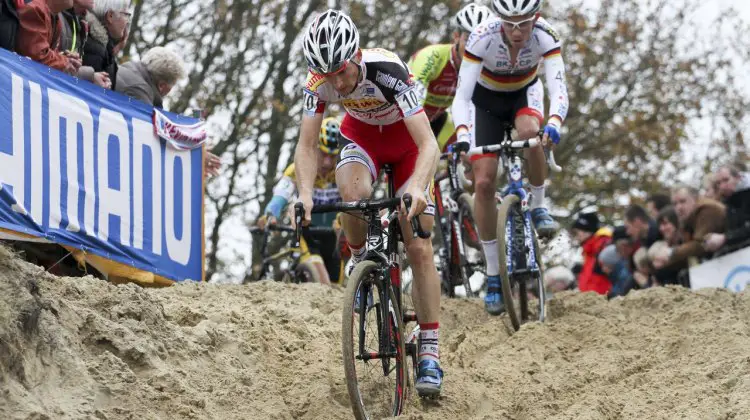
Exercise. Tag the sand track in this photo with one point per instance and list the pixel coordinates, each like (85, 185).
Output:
(81, 348)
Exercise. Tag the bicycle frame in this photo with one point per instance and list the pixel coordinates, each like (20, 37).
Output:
(447, 216)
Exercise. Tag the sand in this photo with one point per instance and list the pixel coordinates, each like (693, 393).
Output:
(82, 348)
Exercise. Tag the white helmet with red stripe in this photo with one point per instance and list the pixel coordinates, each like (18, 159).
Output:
(331, 40)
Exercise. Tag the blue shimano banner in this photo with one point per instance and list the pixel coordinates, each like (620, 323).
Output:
(82, 166)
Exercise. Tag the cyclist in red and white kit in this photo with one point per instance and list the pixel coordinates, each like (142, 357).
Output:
(384, 124)
(499, 84)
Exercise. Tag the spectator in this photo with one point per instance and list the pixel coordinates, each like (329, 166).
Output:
(39, 35)
(642, 273)
(641, 228)
(655, 203)
(151, 79)
(593, 239)
(698, 217)
(738, 223)
(709, 187)
(728, 179)
(75, 32)
(108, 23)
(558, 279)
(616, 269)
(8, 24)
(669, 226)
(623, 242)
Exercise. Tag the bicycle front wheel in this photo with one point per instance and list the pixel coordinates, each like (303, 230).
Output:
(518, 288)
(373, 345)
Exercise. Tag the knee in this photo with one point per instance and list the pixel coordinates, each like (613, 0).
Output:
(419, 251)
(484, 185)
(354, 191)
(527, 127)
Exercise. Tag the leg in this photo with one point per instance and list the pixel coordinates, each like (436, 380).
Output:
(354, 176)
(529, 116)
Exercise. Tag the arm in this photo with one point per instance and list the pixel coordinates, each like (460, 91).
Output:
(304, 159)
(707, 220)
(554, 68)
(426, 165)
(471, 68)
(137, 91)
(33, 37)
(282, 193)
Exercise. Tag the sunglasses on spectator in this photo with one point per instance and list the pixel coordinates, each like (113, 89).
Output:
(523, 25)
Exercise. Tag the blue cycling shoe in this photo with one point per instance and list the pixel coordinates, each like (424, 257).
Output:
(493, 301)
(545, 225)
(429, 378)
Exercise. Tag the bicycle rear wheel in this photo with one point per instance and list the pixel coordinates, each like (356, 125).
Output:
(375, 370)
(516, 287)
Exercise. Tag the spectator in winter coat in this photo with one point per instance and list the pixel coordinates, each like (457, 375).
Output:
(39, 35)
(558, 279)
(75, 32)
(593, 239)
(151, 79)
(617, 271)
(698, 217)
(641, 228)
(108, 24)
(728, 180)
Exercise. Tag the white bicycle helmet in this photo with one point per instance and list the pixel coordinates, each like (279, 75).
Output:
(470, 16)
(511, 8)
(331, 40)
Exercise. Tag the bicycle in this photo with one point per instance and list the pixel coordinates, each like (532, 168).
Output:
(299, 268)
(377, 279)
(521, 268)
(455, 217)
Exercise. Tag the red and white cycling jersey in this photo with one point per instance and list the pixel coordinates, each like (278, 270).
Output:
(385, 95)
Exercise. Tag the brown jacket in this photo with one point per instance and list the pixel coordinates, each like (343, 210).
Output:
(709, 216)
(39, 35)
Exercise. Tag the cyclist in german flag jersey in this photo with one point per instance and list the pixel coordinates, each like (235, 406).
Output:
(435, 70)
(498, 84)
(384, 124)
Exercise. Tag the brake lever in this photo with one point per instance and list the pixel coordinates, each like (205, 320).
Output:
(416, 226)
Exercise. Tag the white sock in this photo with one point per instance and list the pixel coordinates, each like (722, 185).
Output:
(537, 197)
(428, 342)
(490, 255)
(358, 253)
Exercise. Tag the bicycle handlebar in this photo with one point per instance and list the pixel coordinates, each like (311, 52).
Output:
(289, 229)
(515, 145)
(361, 205)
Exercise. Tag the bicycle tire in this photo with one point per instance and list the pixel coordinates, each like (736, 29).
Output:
(305, 272)
(469, 237)
(362, 274)
(518, 312)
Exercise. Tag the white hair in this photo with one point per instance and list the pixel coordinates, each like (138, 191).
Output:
(559, 272)
(164, 65)
(101, 7)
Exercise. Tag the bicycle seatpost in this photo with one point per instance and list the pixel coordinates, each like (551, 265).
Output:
(416, 226)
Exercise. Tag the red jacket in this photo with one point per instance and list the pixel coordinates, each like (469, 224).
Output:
(39, 35)
(591, 279)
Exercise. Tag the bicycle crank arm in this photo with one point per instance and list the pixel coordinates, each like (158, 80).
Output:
(375, 356)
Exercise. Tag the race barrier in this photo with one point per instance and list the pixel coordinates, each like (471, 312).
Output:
(731, 271)
(82, 167)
